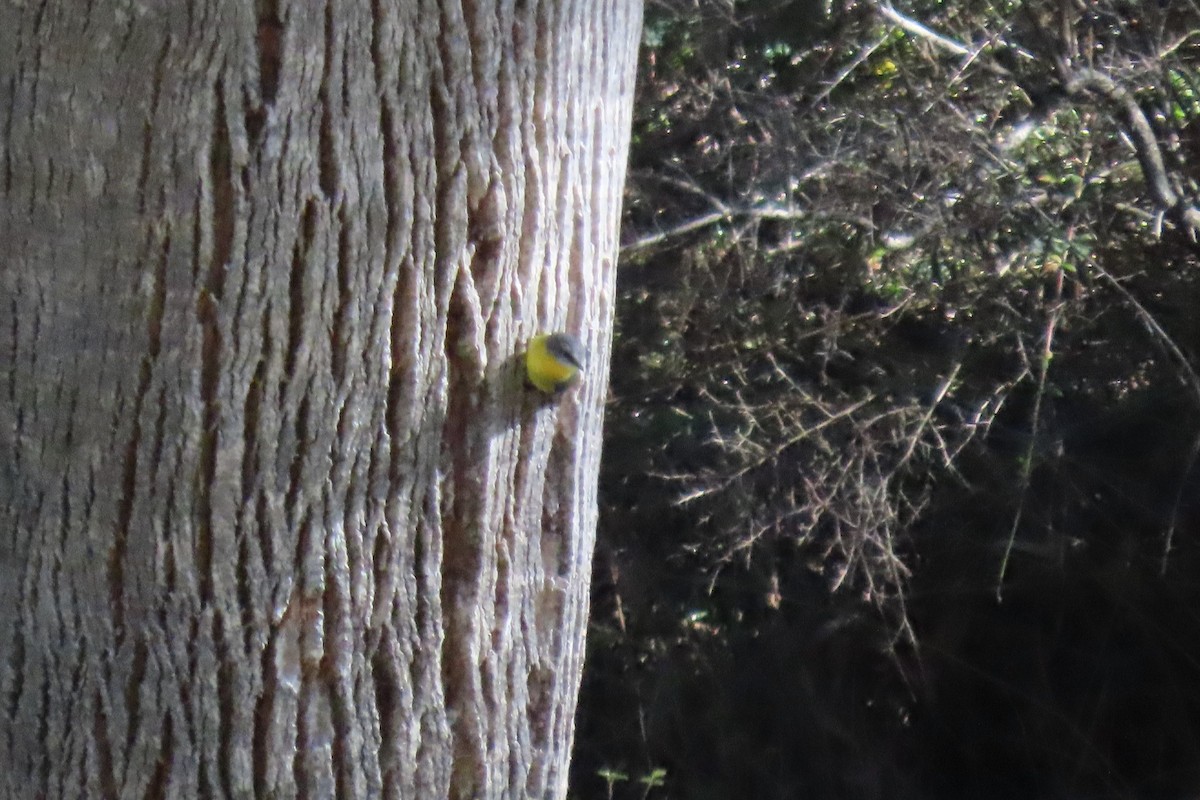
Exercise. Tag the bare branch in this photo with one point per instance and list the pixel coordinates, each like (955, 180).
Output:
(1145, 144)
(863, 55)
(696, 224)
(722, 214)
(919, 30)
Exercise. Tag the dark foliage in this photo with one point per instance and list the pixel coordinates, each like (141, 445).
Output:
(900, 495)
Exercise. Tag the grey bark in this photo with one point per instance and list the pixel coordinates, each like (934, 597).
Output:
(277, 516)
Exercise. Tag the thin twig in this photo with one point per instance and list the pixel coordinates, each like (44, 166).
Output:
(858, 60)
(773, 453)
(939, 395)
(1152, 325)
(1047, 354)
(1169, 539)
(1164, 339)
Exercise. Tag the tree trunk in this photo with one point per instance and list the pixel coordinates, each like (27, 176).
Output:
(277, 516)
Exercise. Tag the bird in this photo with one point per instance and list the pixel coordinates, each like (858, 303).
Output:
(553, 361)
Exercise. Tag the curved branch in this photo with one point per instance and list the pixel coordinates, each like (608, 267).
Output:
(1145, 144)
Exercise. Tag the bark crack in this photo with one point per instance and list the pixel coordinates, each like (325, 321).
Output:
(297, 287)
(220, 227)
(107, 778)
(138, 668)
(343, 320)
(269, 46)
(8, 127)
(144, 163)
(260, 743)
(327, 165)
(160, 781)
